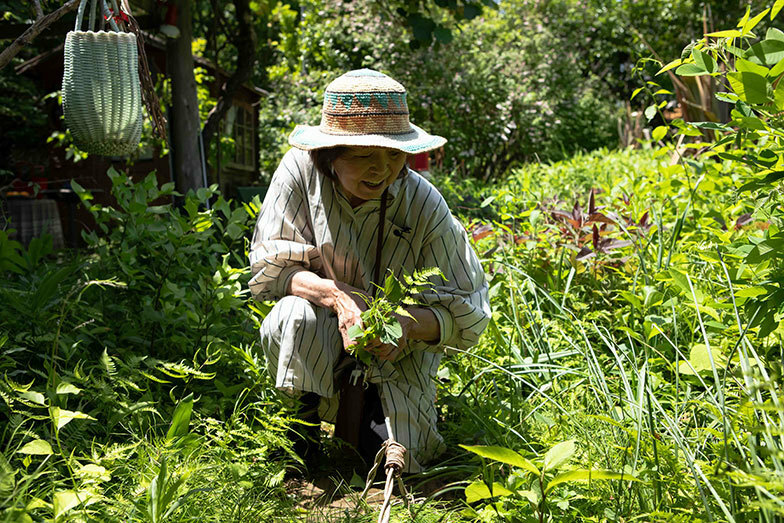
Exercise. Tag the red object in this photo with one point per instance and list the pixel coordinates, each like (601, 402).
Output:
(419, 162)
(171, 15)
(27, 188)
(122, 17)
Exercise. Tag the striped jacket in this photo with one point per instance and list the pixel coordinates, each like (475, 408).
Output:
(306, 223)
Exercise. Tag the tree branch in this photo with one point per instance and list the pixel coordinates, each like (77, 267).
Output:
(39, 13)
(34, 30)
(246, 59)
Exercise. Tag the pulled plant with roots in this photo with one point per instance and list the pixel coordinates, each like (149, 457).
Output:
(380, 319)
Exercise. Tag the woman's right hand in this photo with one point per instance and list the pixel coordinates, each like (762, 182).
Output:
(349, 306)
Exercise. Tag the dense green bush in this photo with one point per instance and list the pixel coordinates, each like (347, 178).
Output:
(503, 91)
(110, 354)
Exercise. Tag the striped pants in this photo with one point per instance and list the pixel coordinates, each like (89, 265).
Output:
(302, 345)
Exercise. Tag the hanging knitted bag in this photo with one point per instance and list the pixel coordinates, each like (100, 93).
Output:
(102, 101)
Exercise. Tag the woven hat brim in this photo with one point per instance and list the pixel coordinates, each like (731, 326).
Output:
(309, 137)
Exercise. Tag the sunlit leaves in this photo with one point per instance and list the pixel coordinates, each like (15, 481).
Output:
(478, 490)
(559, 454)
(750, 87)
(503, 455)
(586, 475)
(704, 60)
(776, 8)
(659, 133)
(61, 417)
(37, 447)
(379, 320)
(181, 419)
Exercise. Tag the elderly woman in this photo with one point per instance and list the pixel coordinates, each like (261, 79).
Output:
(341, 210)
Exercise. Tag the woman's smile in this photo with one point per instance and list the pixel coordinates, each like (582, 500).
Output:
(364, 172)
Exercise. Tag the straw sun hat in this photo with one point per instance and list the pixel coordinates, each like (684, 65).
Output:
(365, 108)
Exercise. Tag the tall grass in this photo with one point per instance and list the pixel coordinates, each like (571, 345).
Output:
(663, 389)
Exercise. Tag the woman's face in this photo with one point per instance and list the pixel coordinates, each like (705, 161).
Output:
(364, 172)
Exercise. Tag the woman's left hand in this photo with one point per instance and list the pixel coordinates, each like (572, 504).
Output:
(390, 351)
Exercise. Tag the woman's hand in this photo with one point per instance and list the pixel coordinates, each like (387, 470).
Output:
(390, 351)
(349, 306)
(422, 325)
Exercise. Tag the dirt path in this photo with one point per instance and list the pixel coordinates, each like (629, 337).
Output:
(331, 495)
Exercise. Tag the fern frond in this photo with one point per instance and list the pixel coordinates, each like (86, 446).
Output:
(108, 363)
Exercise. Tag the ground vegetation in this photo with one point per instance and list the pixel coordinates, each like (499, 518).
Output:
(632, 369)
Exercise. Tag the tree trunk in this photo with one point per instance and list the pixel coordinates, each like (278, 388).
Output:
(245, 42)
(184, 122)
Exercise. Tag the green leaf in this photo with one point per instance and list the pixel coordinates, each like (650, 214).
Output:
(650, 112)
(234, 231)
(67, 388)
(700, 360)
(7, 477)
(62, 417)
(776, 8)
(682, 282)
(745, 17)
(711, 125)
(766, 52)
(750, 87)
(659, 133)
(355, 331)
(690, 70)
(768, 248)
(392, 332)
(35, 397)
(704, 60)
(37, 447)
(471, 11)
(584, 475)
(403, 312)
(478, 490)
(93, 472)
(181, 419)
(65, 500)
(751, 292)
(443, 35)
(393, 290)
(421, 27)
(672, 65)
(730, 33)
(503, 455)
(559, 454)
(632, 298)
(774, 34)
(747, 66)
(776, 71)
(778, 95)
(487, 201)
(751, 24)
(730, 98)
(80, 191)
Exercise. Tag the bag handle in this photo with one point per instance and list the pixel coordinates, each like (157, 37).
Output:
(107, 13)
(380, 241)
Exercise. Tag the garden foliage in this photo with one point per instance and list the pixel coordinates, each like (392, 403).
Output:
(632, 369)
(130, 379)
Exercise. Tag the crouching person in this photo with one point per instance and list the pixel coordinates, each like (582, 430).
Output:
(342, 211)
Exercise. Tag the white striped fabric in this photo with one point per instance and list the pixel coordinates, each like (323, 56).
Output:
(306, 223)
